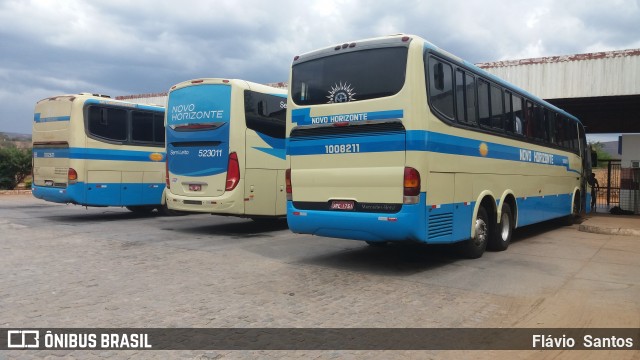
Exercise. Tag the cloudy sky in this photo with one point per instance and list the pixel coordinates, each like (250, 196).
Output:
(122, 47)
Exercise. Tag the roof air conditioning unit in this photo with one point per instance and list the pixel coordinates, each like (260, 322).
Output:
(635, 164)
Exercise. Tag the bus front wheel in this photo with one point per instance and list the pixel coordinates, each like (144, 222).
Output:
(475, 247)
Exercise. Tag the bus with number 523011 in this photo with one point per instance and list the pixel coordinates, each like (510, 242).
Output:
(226, 148)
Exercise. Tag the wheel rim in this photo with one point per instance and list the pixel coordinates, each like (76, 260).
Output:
(482, 231)
(506, 227)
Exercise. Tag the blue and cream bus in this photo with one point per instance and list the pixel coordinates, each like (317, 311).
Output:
(226, 148)
(91, 150)
(394, 139)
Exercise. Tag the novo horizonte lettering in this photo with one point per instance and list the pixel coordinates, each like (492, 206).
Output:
(189, 112)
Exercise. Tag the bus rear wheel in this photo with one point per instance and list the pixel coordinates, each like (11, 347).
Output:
(571, 219)
(475, 247)
(504, 230)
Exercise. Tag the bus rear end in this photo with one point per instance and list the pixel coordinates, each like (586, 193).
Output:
(54, 179)
(350, 176)
(203, 172)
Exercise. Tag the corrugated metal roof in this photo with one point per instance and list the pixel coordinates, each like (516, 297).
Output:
(611, 73)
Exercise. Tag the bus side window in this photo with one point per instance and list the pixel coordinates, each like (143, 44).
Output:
(470, 96)
(441, 87)
(528, 120)
(561, 136)
(465, 98)
(518, 115)
(147, 127)
(460, 101)
(265, 114)
(108, 123)
(497, 109)
(483, 103)
(509, 120)
(551, 126)
(540, 127)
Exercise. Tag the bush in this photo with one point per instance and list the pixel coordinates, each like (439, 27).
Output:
(15, 166)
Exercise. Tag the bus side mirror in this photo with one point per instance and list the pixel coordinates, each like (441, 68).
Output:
(594, 158)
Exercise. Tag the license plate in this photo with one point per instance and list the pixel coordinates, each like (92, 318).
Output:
(195, 187)
(48, 183)
(342, 205)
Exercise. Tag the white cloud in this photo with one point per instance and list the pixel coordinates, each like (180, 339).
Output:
(123, 47)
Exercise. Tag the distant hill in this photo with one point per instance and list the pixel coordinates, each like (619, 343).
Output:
(19, 140)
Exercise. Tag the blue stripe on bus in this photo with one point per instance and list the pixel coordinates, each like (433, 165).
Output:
(366, 144)
(303, 116)
(420, 140)
(103, 194)
(277, 146)
(37, 117)
(408, 224)
(99, 154)
(444, 224)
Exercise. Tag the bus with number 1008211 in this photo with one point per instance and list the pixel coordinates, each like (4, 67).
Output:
(91, 150)
(226, 148)
(394, 139)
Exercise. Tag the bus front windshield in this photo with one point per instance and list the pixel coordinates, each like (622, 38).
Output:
(351, 76)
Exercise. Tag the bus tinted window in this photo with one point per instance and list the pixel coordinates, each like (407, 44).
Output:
(518, 113)
(158, 129)
(441, 87)
(539, 124)
(509, 122)
(460, 103)
(147, 127)
(108, 123)
(497, 109)
(470, 96)
(265, 113)
(483, 103)
(350, 76)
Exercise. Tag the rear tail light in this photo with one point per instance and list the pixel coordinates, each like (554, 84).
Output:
(72, 176)
(287, 175)
(166, 174)
(233, 172)
(411, 186)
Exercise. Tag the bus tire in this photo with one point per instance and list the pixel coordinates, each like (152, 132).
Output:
(570, 219)
(475, 247)
(504, 230)
(141, 209)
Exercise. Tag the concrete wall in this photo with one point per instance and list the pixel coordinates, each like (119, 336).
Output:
(629, 192)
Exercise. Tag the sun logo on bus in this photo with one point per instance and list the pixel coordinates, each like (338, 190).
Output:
(156, 157)
(484, 149)
(340, 93)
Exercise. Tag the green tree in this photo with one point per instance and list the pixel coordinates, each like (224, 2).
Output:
(598, 147)
(15, 166)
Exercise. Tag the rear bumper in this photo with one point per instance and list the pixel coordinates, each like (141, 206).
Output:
(406, 225)
(231, 202)
(72, 194)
